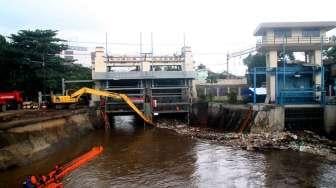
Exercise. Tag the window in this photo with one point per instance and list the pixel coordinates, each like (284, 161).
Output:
(123, 69)
(166, 68)
(280, 33)
(68, 52)
(311, 33)
(68, 58)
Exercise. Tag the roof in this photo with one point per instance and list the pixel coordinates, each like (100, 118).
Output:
(328, 25)
(259, 90)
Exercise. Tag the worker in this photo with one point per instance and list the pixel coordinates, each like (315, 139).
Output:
(34, 181)
(28, 183)
(54, 172)
(102, 103)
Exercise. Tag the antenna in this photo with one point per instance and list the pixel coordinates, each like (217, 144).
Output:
(184, 39)
(140, 43)
(152, 43)
(106, 44)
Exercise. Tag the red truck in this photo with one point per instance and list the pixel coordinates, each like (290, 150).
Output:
(11, 99)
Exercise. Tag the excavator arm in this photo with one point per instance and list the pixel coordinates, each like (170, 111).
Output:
(76, 95)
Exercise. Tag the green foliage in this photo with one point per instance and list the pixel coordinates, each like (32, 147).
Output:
(232, 97)
(201, 66)
(257, 60)
(202, 98)
(331, 54)
(252, 61)
(30, 63)
(212, 77)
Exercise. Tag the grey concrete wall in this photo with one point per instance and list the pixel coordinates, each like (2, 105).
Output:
(269, 118)
(218, 116)
(330, 119)
(265, 118)
(34, 141)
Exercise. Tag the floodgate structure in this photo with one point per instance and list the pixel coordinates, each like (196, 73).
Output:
(297, 86)
(158, 85)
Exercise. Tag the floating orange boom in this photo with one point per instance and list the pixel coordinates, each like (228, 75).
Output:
(52, 180)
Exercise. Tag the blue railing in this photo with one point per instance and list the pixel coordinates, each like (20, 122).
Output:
(307, 95)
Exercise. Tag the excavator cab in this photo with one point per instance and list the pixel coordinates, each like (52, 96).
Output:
(64, 101)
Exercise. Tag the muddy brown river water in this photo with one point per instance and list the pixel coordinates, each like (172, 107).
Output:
(135, 156)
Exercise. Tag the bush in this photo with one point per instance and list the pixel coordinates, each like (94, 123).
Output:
(232, 97)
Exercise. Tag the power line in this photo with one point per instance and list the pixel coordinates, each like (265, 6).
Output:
(121, 43)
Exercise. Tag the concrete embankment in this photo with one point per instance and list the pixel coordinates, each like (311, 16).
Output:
(27, 136)
(233, 118)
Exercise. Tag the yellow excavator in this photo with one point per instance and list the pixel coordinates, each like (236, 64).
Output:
(73, 99)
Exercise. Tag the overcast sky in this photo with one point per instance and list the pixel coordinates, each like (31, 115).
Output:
(211, 27)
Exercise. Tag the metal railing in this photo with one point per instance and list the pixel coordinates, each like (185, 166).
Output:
(295, 40)
(309, 95)
(142, 75)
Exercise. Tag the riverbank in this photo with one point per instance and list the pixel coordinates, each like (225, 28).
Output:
(304, 141)
(29, 135)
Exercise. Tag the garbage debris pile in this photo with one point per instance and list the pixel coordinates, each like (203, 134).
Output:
(304, 141)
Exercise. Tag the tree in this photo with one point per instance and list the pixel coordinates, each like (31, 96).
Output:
(201, 66)
(32, 63)
(10, 67)
(331, 52)
(40, 62)
(252, 61)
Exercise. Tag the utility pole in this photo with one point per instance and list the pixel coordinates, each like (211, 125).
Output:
(63, 86)
(227, 62)
(322, 100)
(44, 76)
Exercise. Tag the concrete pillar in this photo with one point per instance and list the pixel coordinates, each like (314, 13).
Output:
(97, 85)
(306, 57)
(318, 63)
(217, 91)
(271, 62)
(317, 57)
(145, 66)
(99, 65)
(188, 64)
(194, 89)
(107, 84)
(239, 97)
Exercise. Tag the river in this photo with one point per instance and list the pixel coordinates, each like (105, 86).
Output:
(135, 156)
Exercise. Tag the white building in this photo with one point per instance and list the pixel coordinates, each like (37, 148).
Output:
(79, 55)
(288, 82)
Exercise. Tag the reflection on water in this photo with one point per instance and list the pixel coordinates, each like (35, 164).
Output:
(137, 156)
(219, 165)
